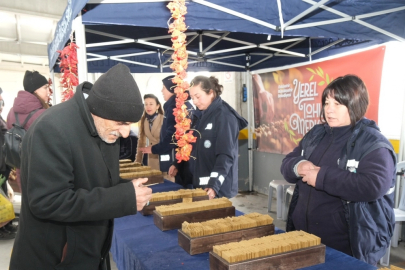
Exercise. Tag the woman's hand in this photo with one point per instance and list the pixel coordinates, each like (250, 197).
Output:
(211, 193)
(146, 150)
(172, 171)
(308, 171)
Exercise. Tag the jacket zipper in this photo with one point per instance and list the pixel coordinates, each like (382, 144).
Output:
(310, 191)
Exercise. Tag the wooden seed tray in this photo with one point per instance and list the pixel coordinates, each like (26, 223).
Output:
(148, 210)
(283, 261)
(172, 222)
(204, 244)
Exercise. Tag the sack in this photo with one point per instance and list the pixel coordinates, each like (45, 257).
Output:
(13, 141)
(6, 208)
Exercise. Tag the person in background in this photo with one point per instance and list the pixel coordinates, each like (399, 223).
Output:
(7, 229)
(34, 97)
(166, 146)
(150, 127)
(128, 146)
(216, 150)
(70, 177)
(344, 171)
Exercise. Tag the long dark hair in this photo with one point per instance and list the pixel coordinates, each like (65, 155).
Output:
(208, 84)
(160, 111)
(45, 105)
(348, 90)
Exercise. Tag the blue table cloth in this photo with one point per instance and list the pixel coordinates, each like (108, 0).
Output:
(138, 244)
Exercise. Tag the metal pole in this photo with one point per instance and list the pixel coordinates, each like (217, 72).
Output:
(401, 157)
(81, 51)
(54, 86)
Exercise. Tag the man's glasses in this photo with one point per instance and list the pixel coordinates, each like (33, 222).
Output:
(1, 102)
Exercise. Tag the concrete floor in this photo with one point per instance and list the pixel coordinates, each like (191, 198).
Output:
(244, 202)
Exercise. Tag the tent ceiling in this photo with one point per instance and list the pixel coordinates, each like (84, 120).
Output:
(233, 35)
(26, 27)
(226, 35)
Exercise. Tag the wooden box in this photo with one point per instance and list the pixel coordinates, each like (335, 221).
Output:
(148, 210)
(284, 261)
(154, 179)
(203, 244)
(165, 223)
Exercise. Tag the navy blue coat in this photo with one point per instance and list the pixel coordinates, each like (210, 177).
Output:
(216, 149)
(166, 147)
(350, 207)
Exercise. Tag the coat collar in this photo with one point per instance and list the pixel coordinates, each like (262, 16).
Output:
(84, 109)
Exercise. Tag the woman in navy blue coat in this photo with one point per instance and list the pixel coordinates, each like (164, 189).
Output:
(216, 150)
(344, 171)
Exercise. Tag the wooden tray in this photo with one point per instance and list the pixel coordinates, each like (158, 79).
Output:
(165, 223)
(148, 210)
(154, 179)
(203, 244)
(284, 261)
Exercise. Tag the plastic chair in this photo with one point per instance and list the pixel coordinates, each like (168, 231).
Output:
(399, 217)
(280, 186)
(288, 194)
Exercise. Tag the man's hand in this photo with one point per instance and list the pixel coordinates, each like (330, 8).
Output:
(172, 171)
(143, 194)
(146, 150)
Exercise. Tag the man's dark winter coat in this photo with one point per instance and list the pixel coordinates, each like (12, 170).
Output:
(71, 191)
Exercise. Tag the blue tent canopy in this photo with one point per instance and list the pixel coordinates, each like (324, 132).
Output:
(227, 35)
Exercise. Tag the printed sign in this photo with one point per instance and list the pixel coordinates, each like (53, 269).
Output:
(287, 103)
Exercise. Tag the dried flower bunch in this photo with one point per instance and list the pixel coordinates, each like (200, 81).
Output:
(184, 136)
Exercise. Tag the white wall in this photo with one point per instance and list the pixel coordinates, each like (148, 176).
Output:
(392, 93)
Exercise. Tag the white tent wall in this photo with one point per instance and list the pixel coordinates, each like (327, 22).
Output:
(12, 81)
(391, 116)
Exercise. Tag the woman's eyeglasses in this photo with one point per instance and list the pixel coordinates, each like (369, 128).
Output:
(1, 102)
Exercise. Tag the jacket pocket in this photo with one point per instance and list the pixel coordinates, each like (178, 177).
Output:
(68, 251)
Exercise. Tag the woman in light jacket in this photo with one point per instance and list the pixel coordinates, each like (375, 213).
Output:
(149, 127)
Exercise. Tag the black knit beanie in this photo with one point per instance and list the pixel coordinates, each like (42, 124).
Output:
(167, 82)
(33, 80)
(115, 96)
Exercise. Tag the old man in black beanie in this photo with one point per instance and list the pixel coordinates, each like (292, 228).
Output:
(70, 177)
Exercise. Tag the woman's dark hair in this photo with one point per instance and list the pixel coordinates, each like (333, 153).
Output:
(160, 111)
(350, 91)
(208, 84)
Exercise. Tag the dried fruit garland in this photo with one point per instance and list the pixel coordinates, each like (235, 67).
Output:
(183, 135)
(68, 68)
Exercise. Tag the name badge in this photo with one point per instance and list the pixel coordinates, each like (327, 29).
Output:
(164, 157)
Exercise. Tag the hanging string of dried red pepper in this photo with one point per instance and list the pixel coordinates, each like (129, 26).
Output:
(68, 68)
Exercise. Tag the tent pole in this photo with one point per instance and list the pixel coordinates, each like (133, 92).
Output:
(54, 86)
(160, 61)
(249, 116)
(81, 51)
(401, 156)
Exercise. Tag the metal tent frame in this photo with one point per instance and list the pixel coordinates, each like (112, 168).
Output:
(223, 57)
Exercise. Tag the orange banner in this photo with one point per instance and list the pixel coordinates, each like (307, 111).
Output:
(287, 103)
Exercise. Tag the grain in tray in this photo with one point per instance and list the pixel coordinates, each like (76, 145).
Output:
(265, 246)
